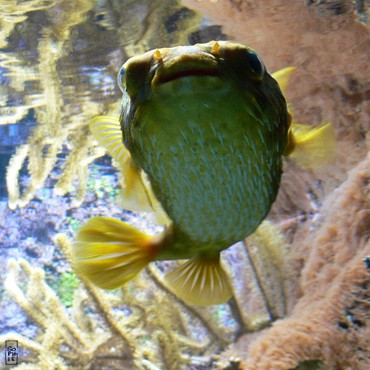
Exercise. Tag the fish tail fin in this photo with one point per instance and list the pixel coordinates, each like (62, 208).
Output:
(109, 252)
(201, 281)
(311, 147)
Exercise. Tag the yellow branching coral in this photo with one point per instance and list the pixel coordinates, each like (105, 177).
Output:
(158, 31)
(269, 258)
(141, 326)
(41, 303)
(15, 11)
(50, 134)
(61, 127)
(135, 328)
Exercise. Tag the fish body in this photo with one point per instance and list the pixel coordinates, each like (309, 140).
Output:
(209, 133)
(202, 133)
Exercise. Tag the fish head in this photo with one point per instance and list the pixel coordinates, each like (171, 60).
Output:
(185, 69)
(200, 77)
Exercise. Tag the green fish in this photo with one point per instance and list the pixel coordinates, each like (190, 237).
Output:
(200, 140)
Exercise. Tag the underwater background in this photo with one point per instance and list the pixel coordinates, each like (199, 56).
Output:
(301, 283)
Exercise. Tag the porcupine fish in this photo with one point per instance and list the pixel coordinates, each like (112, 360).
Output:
(202, 135)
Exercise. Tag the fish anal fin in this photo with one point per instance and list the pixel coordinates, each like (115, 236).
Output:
(109, 252)
(201, 282)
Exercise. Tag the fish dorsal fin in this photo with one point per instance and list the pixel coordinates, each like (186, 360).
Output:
(107, 131)
(282, 77)
(201, 281)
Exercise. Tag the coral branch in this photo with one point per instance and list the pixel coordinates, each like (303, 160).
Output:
(329, 322)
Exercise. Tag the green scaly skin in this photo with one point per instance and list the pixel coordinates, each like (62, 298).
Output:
(209, 131)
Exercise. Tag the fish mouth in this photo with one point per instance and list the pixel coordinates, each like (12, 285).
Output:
(185, 67)
(190, 72)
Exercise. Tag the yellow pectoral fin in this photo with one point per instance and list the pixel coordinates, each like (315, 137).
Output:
(109, 252)
(107, 131)
(136, 194)
(201, 282)
(311, 147)
(282, 77)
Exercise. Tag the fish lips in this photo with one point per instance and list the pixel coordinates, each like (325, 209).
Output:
(184, 67)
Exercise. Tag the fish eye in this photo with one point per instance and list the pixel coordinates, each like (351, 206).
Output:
(121, 79)
(256, 64)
